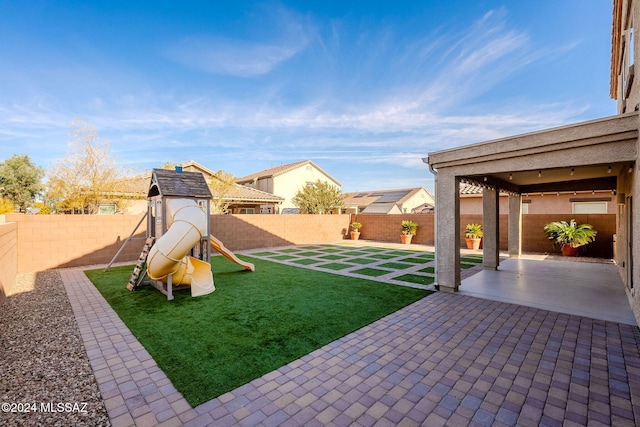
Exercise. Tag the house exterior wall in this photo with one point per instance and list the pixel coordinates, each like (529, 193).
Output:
(625, 57)
(288, 184)
(264, 184)
(418, 199)
(537, 204)
(627, 247)
(628, 95)
(136, 207)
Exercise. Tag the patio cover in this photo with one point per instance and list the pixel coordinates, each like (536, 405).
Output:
(591, 155)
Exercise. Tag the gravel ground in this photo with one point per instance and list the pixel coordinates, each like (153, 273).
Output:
(45, 375)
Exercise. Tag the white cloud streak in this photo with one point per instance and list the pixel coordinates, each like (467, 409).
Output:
(231, 57)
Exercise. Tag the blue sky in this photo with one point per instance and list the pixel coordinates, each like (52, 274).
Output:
(365, 89)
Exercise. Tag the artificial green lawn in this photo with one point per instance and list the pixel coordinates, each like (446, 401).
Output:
(254, 322)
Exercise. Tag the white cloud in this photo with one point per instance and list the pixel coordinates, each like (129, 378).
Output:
(231, 57)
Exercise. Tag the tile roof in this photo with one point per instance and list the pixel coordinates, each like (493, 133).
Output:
(244, 193)
(469, 189)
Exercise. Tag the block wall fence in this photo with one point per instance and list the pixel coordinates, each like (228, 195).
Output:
(387, 228)
(41, 242)
(8, 257)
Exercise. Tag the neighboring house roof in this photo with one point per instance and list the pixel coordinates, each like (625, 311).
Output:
(239, 193)
(367, 198)
(135, 186)
(424, 208)
(382, 208)
(469, 189)
(195, 166)
(290, 211)
(248, 194)
(282, 169)
(385, 201)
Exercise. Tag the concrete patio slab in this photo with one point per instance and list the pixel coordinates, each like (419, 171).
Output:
(583, 288)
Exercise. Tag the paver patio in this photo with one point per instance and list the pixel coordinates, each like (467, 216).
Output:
(445, 360)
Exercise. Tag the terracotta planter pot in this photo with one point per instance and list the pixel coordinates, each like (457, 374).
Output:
(473, 243)
(355, 235)
(568, 250)
(406, 238)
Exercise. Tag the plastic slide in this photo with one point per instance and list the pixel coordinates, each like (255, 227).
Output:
(218, 246)
(168, 256)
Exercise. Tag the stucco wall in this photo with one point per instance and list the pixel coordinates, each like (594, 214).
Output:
(537, 204)
(8, 257)
(628, 231)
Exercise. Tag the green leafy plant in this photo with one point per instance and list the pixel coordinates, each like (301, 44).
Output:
(571, 233)
(409, 228)
(473, 231)
(356, 226)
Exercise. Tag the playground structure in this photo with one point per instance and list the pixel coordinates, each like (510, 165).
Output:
(176, 251)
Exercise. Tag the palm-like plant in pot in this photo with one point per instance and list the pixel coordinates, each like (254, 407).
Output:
(570, 235)
(409, 229)
(473, 234)
(355, 233)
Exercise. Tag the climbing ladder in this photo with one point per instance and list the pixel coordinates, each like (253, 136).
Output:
(140, 271)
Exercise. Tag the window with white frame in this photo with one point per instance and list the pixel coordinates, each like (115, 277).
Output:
(589, 207)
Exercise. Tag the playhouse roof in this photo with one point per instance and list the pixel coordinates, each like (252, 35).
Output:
(170, 183)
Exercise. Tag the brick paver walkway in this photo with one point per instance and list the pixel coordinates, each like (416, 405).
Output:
(445, 360)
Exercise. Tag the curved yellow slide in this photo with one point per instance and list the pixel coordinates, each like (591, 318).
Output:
(218, 246)
(168, 256)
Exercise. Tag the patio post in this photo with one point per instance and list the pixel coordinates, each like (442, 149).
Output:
(491, 226)
(448, 231)
(515, 225)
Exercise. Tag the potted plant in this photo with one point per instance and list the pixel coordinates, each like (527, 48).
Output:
(355, 233)
(473, 235)
(409, 229)
(570, 235)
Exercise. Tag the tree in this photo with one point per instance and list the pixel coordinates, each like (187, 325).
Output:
(319, 198)
(87, 176)
(20, 180)
(169, 166)
(221, 185)
(6, 206)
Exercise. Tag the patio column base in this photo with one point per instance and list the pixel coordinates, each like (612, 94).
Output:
(447, 289)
